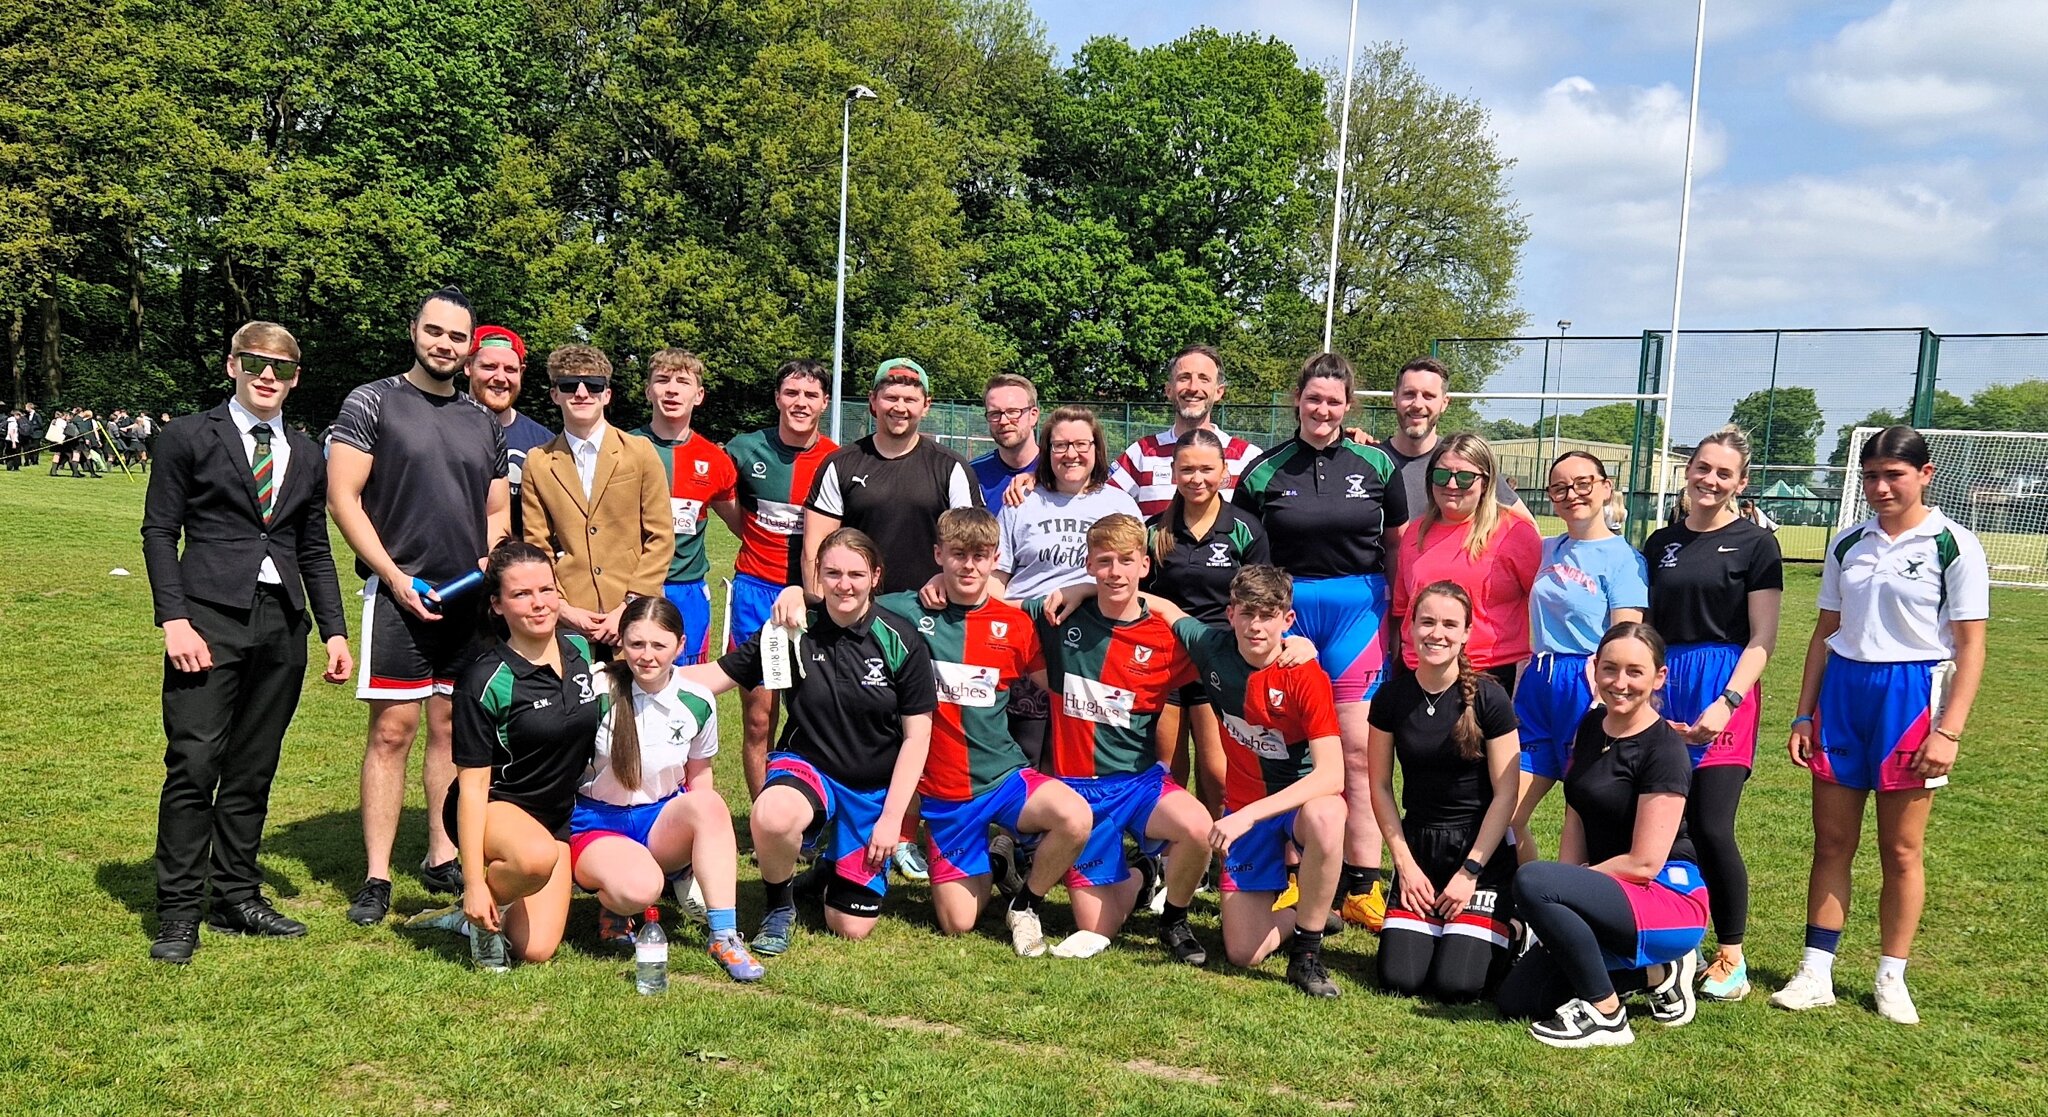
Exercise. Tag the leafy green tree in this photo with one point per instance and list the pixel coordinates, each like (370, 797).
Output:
(2007, 407)
(1783, 424)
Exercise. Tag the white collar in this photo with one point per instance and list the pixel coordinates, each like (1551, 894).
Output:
(246, 420)
(595, 442)
(660, 698)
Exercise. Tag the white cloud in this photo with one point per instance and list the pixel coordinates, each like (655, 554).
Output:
(1922, 71)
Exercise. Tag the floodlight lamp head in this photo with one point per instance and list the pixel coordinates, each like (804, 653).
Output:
(860, 93)
(1564, 324)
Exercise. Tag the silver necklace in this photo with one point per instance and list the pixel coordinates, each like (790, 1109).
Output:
(1429, 700)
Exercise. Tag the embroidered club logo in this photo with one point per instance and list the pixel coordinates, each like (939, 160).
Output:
(1219, 554)
(1913, 567)
(1670, 558)
(1141, 656)
(584, 692)
(760, 469)
(925, 625)
(873, 677)
(675, 734)
(1354, 485)
(703, 468)
(1072, 639)
(1275, 696)
(999, 629)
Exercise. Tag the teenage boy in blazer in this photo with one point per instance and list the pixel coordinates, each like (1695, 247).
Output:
(248, 496)
(597, 500)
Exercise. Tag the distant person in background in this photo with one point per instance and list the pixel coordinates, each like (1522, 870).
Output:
(1010, 405)
(497, 372)
(247, 499)
(1757, 516)
(14, 431)
(32, 432)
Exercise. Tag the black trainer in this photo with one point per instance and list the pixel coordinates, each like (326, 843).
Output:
(1305, 972)
(371, 903)
(176, 939)
(254, 917)
(444, 879)
(1002, 861)
(1180, 939)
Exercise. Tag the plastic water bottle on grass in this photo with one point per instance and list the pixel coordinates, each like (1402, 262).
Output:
(650, 956)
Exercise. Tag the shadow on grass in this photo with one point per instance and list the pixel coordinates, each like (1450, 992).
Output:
(330, 845)
(133, 884)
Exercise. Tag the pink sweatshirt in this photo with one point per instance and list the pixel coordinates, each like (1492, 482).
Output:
(1498, 581)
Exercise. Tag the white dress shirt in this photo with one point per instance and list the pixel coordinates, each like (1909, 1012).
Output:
(280, 459)
(584, 451)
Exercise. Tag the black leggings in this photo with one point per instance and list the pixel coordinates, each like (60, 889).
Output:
(1710, 821)
(1575, 911)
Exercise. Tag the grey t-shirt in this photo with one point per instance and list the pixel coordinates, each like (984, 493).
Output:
(1408, 493)
(1045, 539)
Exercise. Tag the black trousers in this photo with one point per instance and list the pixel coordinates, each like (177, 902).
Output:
(224, 728)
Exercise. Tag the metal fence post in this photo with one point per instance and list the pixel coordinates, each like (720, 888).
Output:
(1640, 475)
(1924, 376)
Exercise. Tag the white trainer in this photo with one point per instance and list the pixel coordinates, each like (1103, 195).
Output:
(1894, 1003)
(1027, 935)
(1809, 988)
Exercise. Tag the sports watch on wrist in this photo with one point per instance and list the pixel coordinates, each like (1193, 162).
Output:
(1733, 699)
(1473, 867)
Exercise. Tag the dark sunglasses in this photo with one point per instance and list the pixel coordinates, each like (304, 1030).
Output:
(1455, 479)
(598, 385)
(252, 364)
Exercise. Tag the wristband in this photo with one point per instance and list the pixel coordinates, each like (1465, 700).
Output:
(1956, 737)
(1806, 719)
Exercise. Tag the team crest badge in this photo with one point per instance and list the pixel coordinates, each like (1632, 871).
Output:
(1354, 484)
(703, 468)
(874, 673)
(1219, 554)
(1141, 655)
(760, 469)
(1670, 558)
(1275, 696)
(999, 629)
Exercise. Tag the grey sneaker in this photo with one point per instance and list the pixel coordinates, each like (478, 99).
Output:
(489, 950)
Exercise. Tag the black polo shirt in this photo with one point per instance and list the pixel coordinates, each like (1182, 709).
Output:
(1324, 510)
(1197, 570)
(854, 686)
(532, 728)
(1438, 787)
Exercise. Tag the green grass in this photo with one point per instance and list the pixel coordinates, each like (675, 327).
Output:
(379, 1021)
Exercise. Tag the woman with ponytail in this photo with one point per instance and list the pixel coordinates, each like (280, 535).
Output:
(647, 814)
(1452, 729)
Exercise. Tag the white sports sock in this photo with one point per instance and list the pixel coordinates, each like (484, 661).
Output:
(1890, 967)
(1820, 961)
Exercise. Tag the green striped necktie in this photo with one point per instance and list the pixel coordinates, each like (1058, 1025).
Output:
(265, 468)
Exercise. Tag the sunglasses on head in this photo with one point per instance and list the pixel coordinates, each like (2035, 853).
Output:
(597, 385)
(253, 364)
(1455, 478)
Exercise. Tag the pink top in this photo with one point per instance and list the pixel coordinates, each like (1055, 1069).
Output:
(1499, 582)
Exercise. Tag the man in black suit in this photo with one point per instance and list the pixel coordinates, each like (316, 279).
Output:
(250, 499)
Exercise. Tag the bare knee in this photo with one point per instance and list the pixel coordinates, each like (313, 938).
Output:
(533, 862)
(1901, 855)
(1244, 955)
(1836, 843)
(538, 952)
(1320, 820)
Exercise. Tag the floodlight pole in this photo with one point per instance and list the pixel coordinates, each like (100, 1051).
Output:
(1692, 120)
(1337, 198)
(1557, 423)
(857, 93)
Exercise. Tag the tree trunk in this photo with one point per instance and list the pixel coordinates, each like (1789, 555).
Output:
(53, 335)
(238, 310)
(134, 291)
(16, 352)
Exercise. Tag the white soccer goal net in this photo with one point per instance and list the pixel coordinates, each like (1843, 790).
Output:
(1993, 482)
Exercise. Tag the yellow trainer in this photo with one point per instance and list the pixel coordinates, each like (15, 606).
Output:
(1368, 909)
(1290, 897)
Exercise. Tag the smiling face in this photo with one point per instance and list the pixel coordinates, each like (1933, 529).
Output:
(1198, 473)
(1440, 626)
(581, 407)
(1458, 498)
(965, 571)
(1194, 387)
(1320, 408)
(1259, 631)
(1715, 478)
(495, 377)
(528, 600)
(799, 401)
(440, 338)
(1117, 574)
(650, 651)
(1578, 494)
(1419, 401)
(1073, 455)
(898, 408)
(1626, 675)
(257, 385)
(1893, 486)
(1012, 417)
(848, 582)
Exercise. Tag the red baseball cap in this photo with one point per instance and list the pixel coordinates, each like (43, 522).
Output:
(500, 338)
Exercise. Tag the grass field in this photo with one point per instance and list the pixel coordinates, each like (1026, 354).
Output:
(376, 1020)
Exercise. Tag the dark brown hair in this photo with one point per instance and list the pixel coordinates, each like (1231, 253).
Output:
(1099, 475)
(625, 761)
(1176, 509)
(1262, 589)
(1466, 735)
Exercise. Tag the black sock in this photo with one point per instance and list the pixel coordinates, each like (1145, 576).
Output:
(1174, 913)
(1026, 900)
(1358, 880)
(779, 894)
(1305, 942)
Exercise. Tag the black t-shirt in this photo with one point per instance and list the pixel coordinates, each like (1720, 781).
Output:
(532, 728)
(854, 686)
(1438, 788)
(1408, 492)
(1700, 582)
(897, 501)
(1606, 775)
(1196, 572)
(430, 485)
(1324, 510)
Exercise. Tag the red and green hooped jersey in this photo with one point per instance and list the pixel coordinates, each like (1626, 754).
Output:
(1269, 714)
(772, 481)
(976, 655)
(699, 473)
(1108, 681)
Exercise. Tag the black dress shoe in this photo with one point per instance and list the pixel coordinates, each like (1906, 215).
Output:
(254, 917)
(371, 903)
(176, 939)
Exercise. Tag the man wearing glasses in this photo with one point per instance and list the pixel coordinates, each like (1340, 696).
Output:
(597, 500)
(416, 481)
(1010, 403)
(248, 497)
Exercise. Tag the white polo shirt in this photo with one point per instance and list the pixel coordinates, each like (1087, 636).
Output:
(676, 726)
(1898, 596)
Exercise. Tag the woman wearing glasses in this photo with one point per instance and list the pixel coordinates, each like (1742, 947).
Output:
(1462, 537)
(1589, 580)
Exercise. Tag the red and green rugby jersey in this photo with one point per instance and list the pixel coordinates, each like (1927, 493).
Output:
(1269, 714)
(976, 654)
(1108, 681)
(772, 479)
(699, 473)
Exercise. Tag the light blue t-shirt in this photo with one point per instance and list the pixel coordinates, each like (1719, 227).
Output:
(1578, 583)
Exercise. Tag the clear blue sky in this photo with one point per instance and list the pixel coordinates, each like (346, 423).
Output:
(1861, 164)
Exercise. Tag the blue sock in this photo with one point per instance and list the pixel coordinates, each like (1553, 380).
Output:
(723, 919)
(1820, 938)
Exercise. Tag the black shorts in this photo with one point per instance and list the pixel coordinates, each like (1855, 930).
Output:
(404, 657)
(1193, 694)
(555, 822)
(1440, 852)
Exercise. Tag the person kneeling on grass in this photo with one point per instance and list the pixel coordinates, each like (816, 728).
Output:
(1283, 775)
(1623, 907)
(861, 695)
(1452, 728)
(526, 717)
(977, 773)
(647, 813)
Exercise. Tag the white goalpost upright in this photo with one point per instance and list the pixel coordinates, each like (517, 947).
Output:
(1993, 482)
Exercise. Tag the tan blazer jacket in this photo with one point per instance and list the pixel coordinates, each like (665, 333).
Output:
(619, 540)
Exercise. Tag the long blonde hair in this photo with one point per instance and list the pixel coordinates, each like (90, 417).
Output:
(1486, 517)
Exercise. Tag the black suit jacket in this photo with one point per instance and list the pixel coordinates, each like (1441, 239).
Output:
(201, 487)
